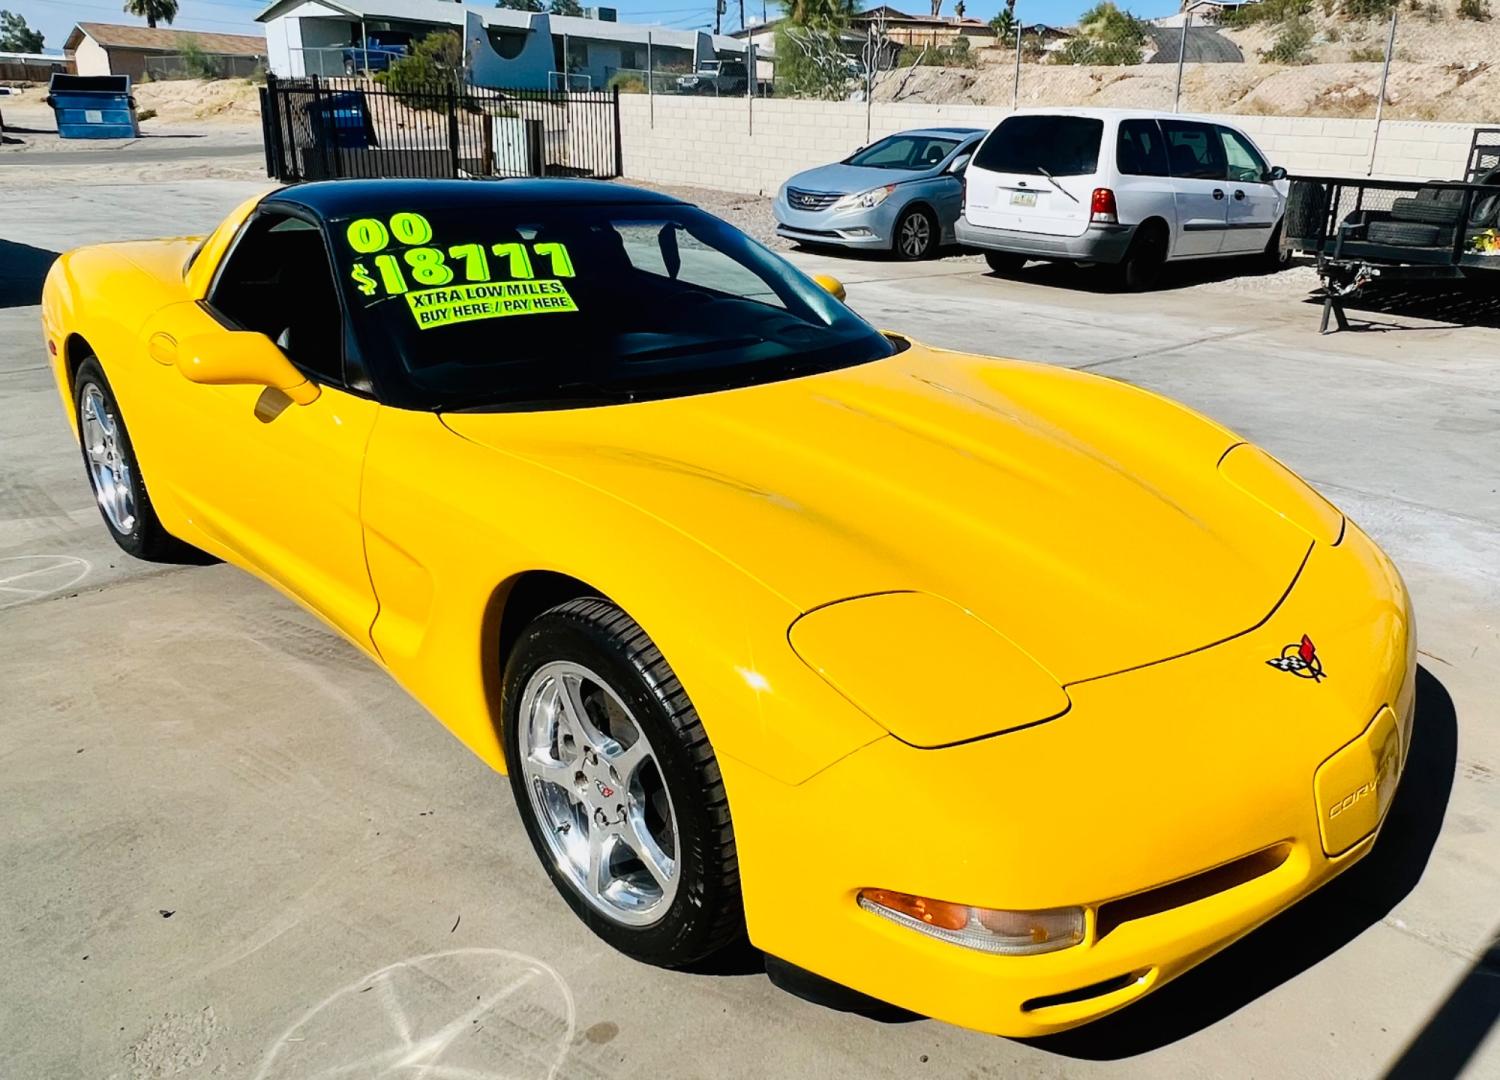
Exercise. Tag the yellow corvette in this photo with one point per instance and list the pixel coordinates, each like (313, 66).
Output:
(997, 691)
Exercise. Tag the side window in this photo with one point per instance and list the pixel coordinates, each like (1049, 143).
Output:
(1245, 162)
(277, 281)
(1194, 151)
(1139, 150)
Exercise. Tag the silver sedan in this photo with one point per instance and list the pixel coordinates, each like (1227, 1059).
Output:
(901, 194)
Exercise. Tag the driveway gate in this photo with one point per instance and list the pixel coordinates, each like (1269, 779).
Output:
(334, 129)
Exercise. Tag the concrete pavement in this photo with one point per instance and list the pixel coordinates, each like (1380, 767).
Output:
(231, 847)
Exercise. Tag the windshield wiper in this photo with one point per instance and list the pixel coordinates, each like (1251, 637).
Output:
(1053, 181)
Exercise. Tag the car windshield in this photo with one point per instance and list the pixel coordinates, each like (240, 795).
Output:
(1038, 145)
(904, 152)
(570, 305)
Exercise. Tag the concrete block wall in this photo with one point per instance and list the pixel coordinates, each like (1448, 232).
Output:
(734, 144)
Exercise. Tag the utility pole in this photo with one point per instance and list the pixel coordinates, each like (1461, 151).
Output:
(742, 14)
(1385, 72)
(1181, 55)
(719, 17)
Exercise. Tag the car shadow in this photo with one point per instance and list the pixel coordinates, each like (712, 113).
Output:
(1458, 1026)
(1311, 930)
(22, 270)
(1098, 277)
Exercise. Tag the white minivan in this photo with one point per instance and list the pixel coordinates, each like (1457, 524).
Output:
(1120, 186)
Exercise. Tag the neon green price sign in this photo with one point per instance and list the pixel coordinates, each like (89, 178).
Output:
(439, 298)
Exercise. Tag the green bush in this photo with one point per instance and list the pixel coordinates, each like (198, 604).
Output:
(1267, 11)
(145, 114)
(1360, 9)
(1367, 54)
(1477, 10)
(1293, 43)
(955, 54)
(1107, 36)
(433, 67)
(627, 82)
(196, 63)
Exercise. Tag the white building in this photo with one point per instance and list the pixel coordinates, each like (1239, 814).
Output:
(525, 50)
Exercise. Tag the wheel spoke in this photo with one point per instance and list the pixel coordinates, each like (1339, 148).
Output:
(657, 863)
(628, 760)
(550, 771)
(601, 844)
(570, 704)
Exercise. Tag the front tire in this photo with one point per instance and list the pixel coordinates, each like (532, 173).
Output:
(618, 786)
(916, 236)
(115, 474)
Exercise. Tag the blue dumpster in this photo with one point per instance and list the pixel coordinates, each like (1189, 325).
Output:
(93, 106)
(342, 121)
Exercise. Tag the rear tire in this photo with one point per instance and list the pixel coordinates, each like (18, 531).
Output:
(583, 684)
(115, 475)
(1141, 269)
(1004, 263)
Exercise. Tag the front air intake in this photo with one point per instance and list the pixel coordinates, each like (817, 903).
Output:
(1187, 890)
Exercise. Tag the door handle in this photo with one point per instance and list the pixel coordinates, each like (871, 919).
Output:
(1218, 193)
(1238, 194)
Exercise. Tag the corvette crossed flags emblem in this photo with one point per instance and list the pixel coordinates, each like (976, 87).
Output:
(1300, 659)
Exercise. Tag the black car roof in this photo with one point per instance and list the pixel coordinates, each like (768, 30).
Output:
(344, 198)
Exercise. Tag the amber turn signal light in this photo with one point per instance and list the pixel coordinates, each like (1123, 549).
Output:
(1013, 933)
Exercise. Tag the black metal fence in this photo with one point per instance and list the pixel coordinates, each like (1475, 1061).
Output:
(331, 129)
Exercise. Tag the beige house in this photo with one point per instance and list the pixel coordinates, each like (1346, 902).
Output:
(108, 49)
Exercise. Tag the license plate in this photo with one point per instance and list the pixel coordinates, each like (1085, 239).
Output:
(1023, 198)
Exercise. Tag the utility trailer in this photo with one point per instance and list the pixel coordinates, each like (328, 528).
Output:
(1366, 232)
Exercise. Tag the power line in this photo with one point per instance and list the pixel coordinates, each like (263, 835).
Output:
(72, 5)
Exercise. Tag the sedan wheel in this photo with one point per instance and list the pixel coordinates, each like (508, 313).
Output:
(618, 786)
(916, 235)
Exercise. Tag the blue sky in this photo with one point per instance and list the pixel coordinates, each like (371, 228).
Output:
(54, 18)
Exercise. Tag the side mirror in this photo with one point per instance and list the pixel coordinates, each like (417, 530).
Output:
(831, 285)
(960, 163)
(242, 357)
(1277, 173)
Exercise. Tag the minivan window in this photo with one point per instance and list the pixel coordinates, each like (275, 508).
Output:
(1140, 150)
(1245, 164)
(1194, 151)
(1037, 145)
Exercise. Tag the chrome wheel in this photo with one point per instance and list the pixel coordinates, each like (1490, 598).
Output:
(598, 794)
(915, 236)
(109, 464)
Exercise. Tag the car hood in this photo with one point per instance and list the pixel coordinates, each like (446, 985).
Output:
(847, 179)
(1084, 519)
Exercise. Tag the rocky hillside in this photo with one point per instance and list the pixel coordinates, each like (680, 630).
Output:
(1446, 68)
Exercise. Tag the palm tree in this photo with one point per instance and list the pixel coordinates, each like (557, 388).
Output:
(151, 10)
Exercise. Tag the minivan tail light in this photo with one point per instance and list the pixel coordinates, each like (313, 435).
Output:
(1102, 208)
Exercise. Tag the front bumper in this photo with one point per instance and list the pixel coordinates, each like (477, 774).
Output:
(1098, 243)
(854, 228)
(1156, 777)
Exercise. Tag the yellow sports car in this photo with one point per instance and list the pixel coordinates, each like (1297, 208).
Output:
(997, 691)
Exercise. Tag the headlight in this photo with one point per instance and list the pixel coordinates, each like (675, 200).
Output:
(879, 652)
(865, 199)
(1282, 491)
(1012, 933)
